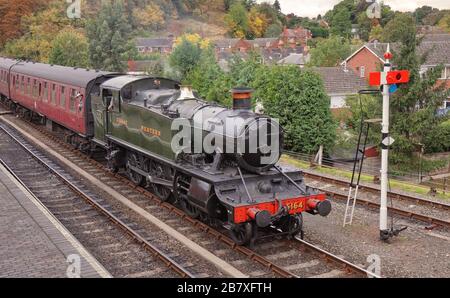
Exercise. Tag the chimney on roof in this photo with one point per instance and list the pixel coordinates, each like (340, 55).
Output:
(375, 43)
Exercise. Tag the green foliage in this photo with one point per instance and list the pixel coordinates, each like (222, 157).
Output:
(329, 52)
(274, 30)
(365, 107)
(185, 57)
(70, 48)
(400, 27)
(341, 23)
(277, 5)
(244, 72)
(209, 80)
(438, 140)
(109, 36)
(40, 29)
(237, 20)
(297, 98)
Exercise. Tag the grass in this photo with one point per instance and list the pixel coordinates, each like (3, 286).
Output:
(395, 184)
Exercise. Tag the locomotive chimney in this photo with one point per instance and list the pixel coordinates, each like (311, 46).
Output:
(242, 98)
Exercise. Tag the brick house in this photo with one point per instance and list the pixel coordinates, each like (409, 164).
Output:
(295, 37)
(155, 45)
(369, 58)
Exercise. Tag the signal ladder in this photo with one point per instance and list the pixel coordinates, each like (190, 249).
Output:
(357, 164)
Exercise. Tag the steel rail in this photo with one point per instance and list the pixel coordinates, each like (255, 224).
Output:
(169, 262)
(251, 254)
(348, 266)
(393, 195)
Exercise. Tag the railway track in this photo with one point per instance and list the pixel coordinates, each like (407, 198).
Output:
(369, 196)
(295, 258)
(84, 214)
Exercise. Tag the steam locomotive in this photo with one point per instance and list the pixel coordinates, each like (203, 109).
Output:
(218, 164)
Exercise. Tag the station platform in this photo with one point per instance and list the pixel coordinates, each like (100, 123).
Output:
(33, 243)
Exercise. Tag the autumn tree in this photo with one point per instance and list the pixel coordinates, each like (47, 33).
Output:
(444, 23)
(39, 30)
(151, 17)
(11, 13)
(237, 20)
(257, 23)
(69, 48)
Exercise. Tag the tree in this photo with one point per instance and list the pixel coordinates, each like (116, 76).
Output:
(277, 5)
(186, 54)
(39, 30)
(341, 23)
(400, 26)
(151, 17)
(376, 33)
(274, 30)
(11, 13)
(237, 20)
(444, 23)
(329, 52)
(421, 12)
(257, 23)
(109, 36)
(297, 98)
(209, 80)
(70, 48)
(414, 106)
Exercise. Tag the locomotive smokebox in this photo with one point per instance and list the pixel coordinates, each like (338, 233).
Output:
(242, 98)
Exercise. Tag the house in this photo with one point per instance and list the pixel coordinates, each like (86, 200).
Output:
(370, 58)
(155, 45)
(339, 83)
(295, 37)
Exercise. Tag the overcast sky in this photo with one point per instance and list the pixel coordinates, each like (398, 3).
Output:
(312, 8)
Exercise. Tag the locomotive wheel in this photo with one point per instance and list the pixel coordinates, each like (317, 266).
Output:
(134, 177)
(190, 210)
(161, 192)
(292, 224)
(242, 234)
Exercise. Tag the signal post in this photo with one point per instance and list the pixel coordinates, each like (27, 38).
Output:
(389, 81)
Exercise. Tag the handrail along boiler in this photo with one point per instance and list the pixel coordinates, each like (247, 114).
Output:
(133, 119)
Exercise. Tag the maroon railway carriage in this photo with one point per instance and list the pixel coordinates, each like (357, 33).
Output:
(61, 94)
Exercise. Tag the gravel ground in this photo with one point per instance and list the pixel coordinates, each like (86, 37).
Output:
(416, 252)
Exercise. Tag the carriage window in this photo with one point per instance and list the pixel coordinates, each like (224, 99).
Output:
(62, 99)
(17, 82)
(22, 85)
(73, 95)
(54, 94)
(45, 92)
(29, 86)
